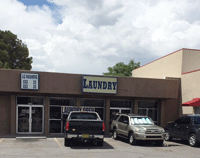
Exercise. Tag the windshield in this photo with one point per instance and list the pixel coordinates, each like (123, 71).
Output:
(92, 116)
(196, 120)
(141, 121)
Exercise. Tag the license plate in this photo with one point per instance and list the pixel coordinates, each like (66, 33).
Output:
(85, 136)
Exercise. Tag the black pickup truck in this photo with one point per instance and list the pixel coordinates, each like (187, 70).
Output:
(84, 126)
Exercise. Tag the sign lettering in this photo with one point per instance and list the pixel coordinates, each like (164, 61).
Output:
(94, 84)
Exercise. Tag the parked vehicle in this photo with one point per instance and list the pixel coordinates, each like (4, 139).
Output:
(84, 126)
(186, 128)
(136, 127)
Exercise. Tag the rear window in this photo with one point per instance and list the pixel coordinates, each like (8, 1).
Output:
(91, 116)
(196, 120)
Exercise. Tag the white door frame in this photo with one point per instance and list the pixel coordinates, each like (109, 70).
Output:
(30, 119)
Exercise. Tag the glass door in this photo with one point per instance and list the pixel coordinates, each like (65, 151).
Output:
(37, 119)
(30, 119)
(23, 119)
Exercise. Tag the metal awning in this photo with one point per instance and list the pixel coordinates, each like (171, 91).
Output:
(194, 102)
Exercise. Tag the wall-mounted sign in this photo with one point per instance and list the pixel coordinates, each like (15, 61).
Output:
(97, 84)
(29, 81)
(68, 109)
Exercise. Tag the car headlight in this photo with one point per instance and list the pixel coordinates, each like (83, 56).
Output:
(140, 130)
(162, 131)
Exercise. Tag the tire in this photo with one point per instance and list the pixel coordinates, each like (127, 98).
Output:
(131, 139)
(67, 142)
(100, 142)
(192, 140)
(115, 135)
(167, 136)
(159, 142)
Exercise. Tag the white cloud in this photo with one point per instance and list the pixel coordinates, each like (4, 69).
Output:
(95, 34)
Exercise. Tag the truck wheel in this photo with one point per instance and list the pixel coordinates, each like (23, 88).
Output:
(167, 136)
(115, 135)
(100, 142)
(192, 140)
(67, 142)
(131, 139)
(159, 142)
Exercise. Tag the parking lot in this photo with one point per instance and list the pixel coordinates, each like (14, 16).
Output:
(54, 147)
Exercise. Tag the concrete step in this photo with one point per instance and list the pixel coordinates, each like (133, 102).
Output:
(30, 138)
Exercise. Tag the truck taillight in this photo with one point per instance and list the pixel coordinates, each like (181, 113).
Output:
(67, 126)
(103, 128)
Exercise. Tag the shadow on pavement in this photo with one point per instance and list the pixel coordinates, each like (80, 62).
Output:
(151, 143)
(88, 145)
(179, 143)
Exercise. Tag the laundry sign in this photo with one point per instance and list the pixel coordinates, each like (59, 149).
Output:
(29, 81)
(98, 84)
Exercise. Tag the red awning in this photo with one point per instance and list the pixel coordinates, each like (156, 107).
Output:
(194, 102)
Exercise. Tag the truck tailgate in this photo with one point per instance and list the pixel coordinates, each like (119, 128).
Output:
(85, 127)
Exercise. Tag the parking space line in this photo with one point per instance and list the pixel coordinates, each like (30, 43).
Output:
(1, 140)
(58, 142)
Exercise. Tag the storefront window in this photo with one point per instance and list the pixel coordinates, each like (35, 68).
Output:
(149, 108)
(120, 103)
(97, 104)
(196, 110)
(67, 102)
(55, 112)
(92, 103)
(30, 100)
(57, 119)
(119, 106)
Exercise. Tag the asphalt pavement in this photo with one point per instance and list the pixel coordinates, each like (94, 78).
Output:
(54, 148)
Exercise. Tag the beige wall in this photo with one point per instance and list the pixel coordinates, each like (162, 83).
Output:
(168, 66)
(188, 110)
(190, 89)
(190, 86)
(191, 60)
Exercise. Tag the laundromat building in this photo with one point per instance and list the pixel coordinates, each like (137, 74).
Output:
(37, 103)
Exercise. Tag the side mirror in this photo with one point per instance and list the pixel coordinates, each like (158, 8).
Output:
(125, 121)
(176, 125)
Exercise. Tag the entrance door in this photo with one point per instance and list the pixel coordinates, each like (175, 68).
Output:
(30, 119)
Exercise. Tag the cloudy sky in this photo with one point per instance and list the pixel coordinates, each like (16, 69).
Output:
(88, 36)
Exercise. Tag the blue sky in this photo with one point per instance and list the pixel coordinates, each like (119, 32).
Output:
(88, 36)
(34, 2)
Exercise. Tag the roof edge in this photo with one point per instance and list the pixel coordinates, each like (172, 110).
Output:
(190, 71)
(166, 56)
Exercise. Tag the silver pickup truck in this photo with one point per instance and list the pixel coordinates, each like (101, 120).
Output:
(136, 127)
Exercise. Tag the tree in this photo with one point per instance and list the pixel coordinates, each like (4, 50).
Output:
(121, 69)
(13, 53)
